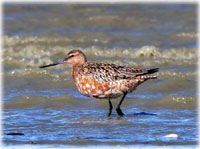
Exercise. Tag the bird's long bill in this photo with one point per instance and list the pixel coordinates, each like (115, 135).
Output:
(54, 64)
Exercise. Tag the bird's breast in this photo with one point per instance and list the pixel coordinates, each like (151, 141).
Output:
(92, 88)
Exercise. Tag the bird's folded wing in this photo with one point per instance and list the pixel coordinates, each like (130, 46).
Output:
(104, 72)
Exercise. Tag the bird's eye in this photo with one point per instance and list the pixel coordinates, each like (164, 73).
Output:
(71, 55)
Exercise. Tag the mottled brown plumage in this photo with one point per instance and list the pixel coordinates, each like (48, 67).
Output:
(104, 80)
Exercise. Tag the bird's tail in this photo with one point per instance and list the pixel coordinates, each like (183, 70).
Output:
(150, 71)
(149, 74)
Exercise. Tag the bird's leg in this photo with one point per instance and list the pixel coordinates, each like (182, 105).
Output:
(110, 107)
(119, 111)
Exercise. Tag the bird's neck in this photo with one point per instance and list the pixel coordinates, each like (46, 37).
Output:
(75, 68)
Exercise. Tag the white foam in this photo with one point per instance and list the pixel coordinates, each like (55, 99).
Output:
(171, 135)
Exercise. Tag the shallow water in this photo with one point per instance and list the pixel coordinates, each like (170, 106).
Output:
(45, 106)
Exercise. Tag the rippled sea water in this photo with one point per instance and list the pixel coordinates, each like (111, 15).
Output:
(44, 106)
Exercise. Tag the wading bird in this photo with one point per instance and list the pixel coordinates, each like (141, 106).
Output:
(104, 80)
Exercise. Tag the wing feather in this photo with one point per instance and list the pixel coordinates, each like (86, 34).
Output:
(105, 72)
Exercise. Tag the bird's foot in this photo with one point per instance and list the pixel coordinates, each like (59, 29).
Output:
(109, 114)
(119, 112)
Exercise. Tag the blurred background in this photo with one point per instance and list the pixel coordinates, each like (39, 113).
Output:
(45, 106)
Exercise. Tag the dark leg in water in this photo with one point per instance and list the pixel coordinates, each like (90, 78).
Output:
(119, 111)
(110, 107)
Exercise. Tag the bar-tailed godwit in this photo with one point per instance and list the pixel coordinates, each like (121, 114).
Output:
(104, 80)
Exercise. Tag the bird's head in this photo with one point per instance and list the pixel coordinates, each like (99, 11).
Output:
(76, 56)
(73, 57)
